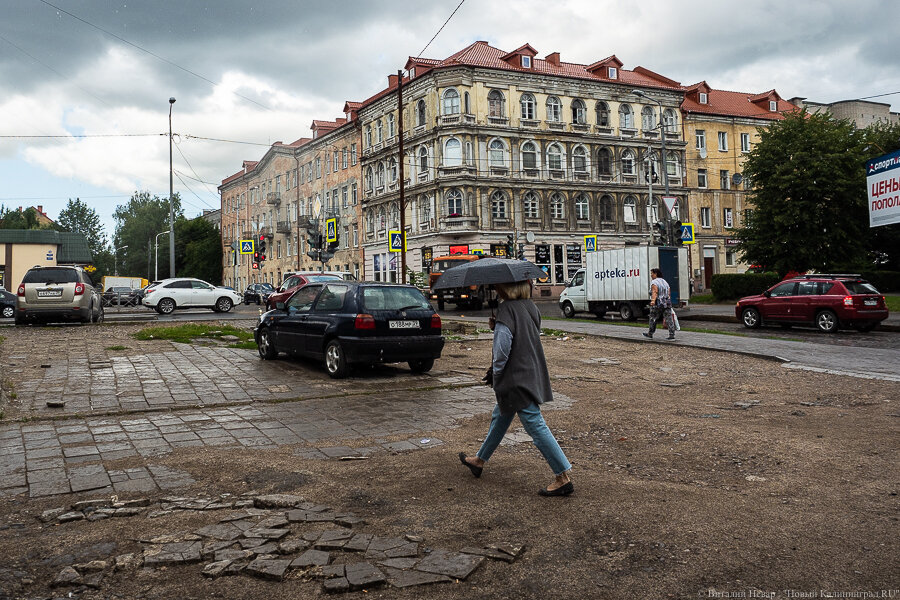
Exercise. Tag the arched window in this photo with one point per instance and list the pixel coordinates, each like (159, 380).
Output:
(452, 153)
(651, 168)
(670, 119)
(391, 131)
(629, 208)
(382, 220)
(453, 200)
(420, 113)
(579, 112)
(606, 208)
(529, 155)
(495, 104)
(527, 103)
(451, 102)
(370, 221)
(379, 175)
(393, 170)
(554, 157)
(531, 205)
(557, 206)
(425, 210)
(626, 117)
(370, 179)
(579, 159)
(466, 105)
(602, 114)
(672, 165)
(379, 129)
(652, 212)
(395, 216)
(648, 118)
(498, 205)
(423, 159)
(368, 135)
(582, 208)
(469, 160)
(554, 109)
(604, 162)
(627, 162)
(497, 154)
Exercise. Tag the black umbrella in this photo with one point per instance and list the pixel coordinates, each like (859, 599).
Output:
(487, 271)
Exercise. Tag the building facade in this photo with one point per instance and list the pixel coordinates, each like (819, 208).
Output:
(504, 143)
(721, 128)
(862, 112)
(21, 249)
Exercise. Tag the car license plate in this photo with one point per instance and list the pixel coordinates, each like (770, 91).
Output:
(870, 302)
(403, 324)
(49, 293)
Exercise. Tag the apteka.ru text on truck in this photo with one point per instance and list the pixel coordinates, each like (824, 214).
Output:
(619, 281)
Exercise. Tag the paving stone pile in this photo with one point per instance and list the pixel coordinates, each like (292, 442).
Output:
(272, 537)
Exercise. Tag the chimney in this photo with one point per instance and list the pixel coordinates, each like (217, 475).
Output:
(392, 81)
(41, 208)
(553, 59)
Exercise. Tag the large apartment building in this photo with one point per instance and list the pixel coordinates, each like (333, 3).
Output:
(504, 143)
(721, 128)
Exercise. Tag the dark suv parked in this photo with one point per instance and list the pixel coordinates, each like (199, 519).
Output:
(349, 323)
(258, 292)
(826, 301)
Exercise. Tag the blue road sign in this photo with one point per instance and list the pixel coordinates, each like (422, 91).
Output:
(247, 246)
(590, 243)
(331, 230)
(396, 241)
(687, 233)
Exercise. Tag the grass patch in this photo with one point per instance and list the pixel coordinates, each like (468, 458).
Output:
(117, 347)
(188, 333)
(892, 302)
(703, 299)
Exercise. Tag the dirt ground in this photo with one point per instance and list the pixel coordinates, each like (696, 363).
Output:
(681, 489)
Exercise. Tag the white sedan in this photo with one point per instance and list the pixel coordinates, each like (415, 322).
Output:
(184, 292)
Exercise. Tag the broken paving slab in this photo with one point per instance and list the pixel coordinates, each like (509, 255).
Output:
(452, 564)
(363, 575)
(359, 542)
(333, 539)
(269, 568)
(232, 555)
(312, 558)
(400, 578)
(277, 501)
(337, 585)
(215, 569)
(175, 553)
(489, 552)
(398, 563)
(292, 546)
(269, 534)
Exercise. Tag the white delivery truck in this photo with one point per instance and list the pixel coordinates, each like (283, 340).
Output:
(619, 281)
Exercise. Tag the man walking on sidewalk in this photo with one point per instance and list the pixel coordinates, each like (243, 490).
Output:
(660, 303)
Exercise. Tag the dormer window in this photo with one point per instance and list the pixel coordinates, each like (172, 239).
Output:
(612, 72)
(526, 62)
(773, 105)
(412, 73)
(704, 99)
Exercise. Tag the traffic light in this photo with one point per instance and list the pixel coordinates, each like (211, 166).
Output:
(260, 254)
(510, 248)
(332, 246)
(659, 228)
(676, 233)
(521, 254)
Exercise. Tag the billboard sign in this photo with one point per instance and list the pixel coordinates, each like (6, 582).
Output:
(883, 185)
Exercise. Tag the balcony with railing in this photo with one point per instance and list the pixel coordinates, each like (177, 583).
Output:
(581, 127)
(557, 125)
(497, 120)
(453, 170)
(603, 129)
(459, 223)
(273, 198)
(283, 227)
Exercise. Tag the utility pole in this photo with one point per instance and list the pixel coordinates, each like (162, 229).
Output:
(402, 186)
(171, 200)
(663, 162)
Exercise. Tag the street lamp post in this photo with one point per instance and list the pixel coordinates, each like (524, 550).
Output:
(156, 268)
(171, 201)
(116, 259)
(663, 159)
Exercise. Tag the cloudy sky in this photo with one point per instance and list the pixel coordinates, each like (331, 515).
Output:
(249, 73)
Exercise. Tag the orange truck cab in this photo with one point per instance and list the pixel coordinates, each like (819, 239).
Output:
(472, 296)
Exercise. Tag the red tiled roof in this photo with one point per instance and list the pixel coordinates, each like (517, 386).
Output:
(300, 142)
(735, 104)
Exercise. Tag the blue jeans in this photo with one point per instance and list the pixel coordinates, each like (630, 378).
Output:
(534, 424)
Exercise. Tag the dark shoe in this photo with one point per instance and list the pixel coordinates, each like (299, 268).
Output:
(564, 490)
(671, 337)
(476, 471)
(649, 336)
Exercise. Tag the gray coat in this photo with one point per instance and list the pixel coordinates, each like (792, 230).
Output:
(525, 378)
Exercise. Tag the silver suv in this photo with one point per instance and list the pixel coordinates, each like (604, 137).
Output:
(60, 293)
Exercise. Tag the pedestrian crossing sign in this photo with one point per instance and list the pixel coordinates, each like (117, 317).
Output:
(247, 246)
(687, 233)
(590, 243)
(396, 241)
(331, 230)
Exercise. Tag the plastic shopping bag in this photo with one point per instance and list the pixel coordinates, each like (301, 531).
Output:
(677, 324)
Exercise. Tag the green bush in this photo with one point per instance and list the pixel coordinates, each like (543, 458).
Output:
(885, 282)
(733, 286)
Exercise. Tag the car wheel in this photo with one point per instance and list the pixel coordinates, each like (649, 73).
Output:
(264, 345)
(246, 302)
(9, 312)
(626, 311)
(335, 360)
(224, 304)
(568, 310)
(21, 320)
(861, 327)
(827, 321)
(101, 314)
(165, 306)
(750, 318)
(422, 365)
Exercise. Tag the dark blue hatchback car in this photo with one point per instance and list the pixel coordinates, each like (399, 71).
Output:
(353, 323)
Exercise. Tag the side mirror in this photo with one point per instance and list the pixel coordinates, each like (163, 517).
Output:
(279, 305)
(767, 294)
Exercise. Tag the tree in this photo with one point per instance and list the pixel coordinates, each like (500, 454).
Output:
(883, 242)
(79, 217)
(198, 250)
(137, 224)
(19, 219)
(808, 196)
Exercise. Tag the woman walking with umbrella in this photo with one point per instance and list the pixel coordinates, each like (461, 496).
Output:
(520, 380)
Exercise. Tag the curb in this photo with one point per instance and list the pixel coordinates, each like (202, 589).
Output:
(729, 319)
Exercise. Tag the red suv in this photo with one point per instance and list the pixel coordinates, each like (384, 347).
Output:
(826, 301)
(294, 282)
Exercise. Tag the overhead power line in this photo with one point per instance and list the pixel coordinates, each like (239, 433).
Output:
(153, 54)
(95, 135)
(441, 29)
